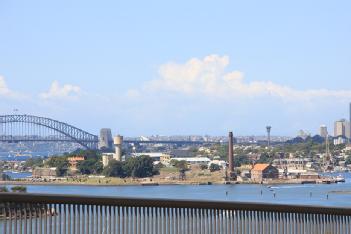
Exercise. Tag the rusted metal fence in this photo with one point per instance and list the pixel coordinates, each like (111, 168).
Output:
(29, 213)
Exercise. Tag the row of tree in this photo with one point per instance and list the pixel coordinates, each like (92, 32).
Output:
(138, 167)
(133, 167)
(15, 189)
(91, 165)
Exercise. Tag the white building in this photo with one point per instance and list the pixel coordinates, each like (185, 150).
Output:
(292, 165)
(196, 160)
(323, 131)
(156, 156)
(340, 140)
(106, 158)
(342, 128)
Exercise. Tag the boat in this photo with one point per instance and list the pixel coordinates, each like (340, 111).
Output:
(149, 184)
(308, 182)
(340, 179)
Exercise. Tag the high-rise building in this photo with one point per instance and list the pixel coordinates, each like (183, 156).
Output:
(323, 131)
(348, 130)
(342, 128)
(350, 123)
(106, 140)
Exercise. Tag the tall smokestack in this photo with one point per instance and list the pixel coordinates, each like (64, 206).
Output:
(230, 153)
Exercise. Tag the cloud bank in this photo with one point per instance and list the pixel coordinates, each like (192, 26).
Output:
(5, 91)
(208, 77)
(56, 91)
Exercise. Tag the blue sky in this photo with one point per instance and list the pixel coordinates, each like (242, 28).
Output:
(178, 67)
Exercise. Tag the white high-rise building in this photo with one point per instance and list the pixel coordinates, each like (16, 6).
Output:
(347, 130)
(342, 128)
(323, 131)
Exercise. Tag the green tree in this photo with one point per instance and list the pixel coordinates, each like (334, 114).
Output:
(139, 167)
(114, 169)
(61, 169)
(61, 164)
(34, 162)
(5, 177)
(222, 151)
(56, 161)
(182, 164)
(4, 189)
(348, 161)
(203, 166)
(240, 160)
(19, 189)
(214, 167)
(265, 158)
(90, 166)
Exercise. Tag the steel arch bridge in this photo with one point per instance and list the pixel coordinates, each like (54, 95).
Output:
(24, 128)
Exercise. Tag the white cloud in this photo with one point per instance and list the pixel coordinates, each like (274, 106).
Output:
(208, 77)
(57, 91)
(5, 91)
(133, 93)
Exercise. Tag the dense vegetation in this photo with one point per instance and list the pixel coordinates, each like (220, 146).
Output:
(4, 189)
(15, 189)
(34, 162)
(61, 164)
(92, 163)
(181, 165)
(4, 177)
(214, 167)
(19, 189)
(138, 167)
(133, 167)
(309, 147)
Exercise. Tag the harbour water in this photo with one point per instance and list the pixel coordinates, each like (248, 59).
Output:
(333, 195)
(18, 175)
(309, 194)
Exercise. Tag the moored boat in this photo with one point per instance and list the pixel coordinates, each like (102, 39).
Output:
(340, 179)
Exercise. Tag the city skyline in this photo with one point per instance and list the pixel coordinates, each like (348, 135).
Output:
(200, 70)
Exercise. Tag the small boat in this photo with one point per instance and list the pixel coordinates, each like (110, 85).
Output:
(308, 182)
(340, 179)
(149, 184)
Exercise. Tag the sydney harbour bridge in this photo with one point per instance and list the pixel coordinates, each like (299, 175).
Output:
(29, 128)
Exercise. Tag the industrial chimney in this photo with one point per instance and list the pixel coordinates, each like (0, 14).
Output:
(230, 153)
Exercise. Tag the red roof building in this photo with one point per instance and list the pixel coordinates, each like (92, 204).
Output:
(262, 171)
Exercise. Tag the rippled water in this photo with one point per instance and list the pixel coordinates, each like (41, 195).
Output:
(309, 194)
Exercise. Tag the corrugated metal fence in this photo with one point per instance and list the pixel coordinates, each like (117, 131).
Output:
(29, 213)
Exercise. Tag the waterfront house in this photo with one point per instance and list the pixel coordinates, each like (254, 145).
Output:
(73, 162)
(262, 171)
